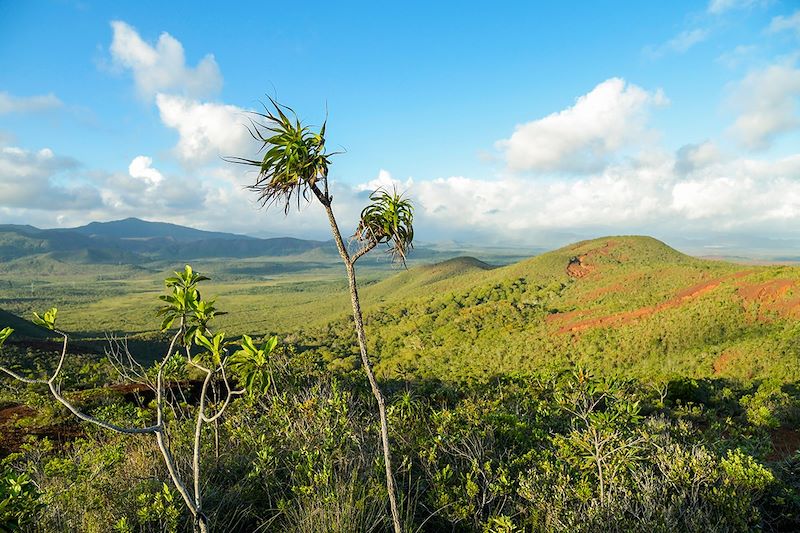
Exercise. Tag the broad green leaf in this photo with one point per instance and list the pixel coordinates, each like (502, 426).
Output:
(247, 344)
(5, 333)
(203, 341)
(270, 345)
(47, 320)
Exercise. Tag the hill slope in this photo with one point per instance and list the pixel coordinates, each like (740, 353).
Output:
(22, 327)
(625, 304)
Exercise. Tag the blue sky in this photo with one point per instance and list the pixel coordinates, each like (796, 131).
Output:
(515, 122)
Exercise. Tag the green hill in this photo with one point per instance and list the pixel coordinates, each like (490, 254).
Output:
(443, 276)
(21, 241)
(629, 305)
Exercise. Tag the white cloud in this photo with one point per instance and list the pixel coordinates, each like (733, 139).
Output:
(162, 68)
(679, 44)
(767, 104)
(385, 181)
(718, 7)
(35, 179)
(743, 194)
(580, 138)
(784, 23)
(206, 130)
(715, 197)
(141, 168)
(27, 104)
(40, 186)
(513, 206)
(647, 195)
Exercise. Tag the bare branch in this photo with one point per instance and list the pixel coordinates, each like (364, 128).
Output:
(228, 398)
(52, 384)
(169, 460)
(198, 429)
(364, 250)
(107, 425)
(125, 364)
(60, 360)
(22, 378)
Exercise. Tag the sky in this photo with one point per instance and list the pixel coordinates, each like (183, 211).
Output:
(505, 123)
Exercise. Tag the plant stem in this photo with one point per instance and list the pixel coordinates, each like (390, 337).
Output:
(362, 345)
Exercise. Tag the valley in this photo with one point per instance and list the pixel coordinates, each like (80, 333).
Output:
(627, 305)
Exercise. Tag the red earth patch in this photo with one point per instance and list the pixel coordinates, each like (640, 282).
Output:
(681, 297)
(772, 296)
(582, 265)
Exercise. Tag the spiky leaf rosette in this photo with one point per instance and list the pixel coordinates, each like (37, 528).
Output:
(388, 219)
(294, 159)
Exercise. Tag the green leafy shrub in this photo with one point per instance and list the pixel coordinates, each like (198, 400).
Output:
(19, 501)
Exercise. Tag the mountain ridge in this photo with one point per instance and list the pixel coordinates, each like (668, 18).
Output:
(136, 241)
(136, 228)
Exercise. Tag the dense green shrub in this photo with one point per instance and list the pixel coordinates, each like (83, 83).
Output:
(508, 454)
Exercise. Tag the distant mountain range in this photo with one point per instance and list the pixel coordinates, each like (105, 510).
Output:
(135, 241)
(134, 228)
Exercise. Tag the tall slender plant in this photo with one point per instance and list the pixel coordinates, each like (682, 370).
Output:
(293, 169)
(184, 310)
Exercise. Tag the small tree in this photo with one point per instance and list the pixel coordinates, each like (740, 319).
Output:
(294, 168)
(184, 309)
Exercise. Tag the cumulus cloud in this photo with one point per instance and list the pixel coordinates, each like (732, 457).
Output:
(679, 44)
(742, 193)
(714, 197)
(141, 168)
(766, 101)
(162, 67)
(385, 181)
(31, 179)
(514, 206)
(27, 104)
(40, 186)
(140, 193)
(206, 130)
(580, 138)
(786, 23)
